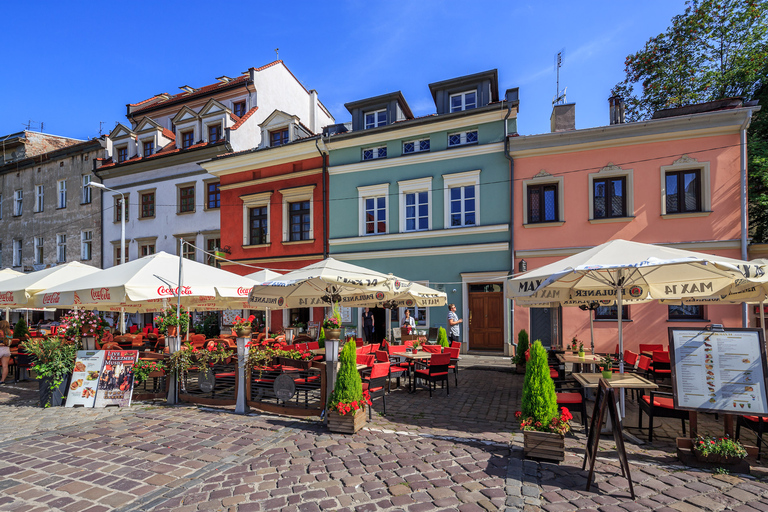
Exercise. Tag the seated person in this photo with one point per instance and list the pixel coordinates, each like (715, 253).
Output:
(107, 336)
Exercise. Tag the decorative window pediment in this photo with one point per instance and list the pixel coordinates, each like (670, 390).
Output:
(148, 125)
(277, 119)
(213, 108)
(185, 115)
(121, 132)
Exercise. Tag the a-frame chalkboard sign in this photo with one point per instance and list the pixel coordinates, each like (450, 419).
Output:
(606, 396)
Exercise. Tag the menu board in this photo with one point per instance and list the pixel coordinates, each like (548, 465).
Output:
(115, 383)
(719, 371)
(85, 377)
(228, 316)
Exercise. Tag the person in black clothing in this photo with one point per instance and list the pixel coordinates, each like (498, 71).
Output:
(368, 325)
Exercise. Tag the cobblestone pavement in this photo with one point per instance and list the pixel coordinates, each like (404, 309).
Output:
(452, 452)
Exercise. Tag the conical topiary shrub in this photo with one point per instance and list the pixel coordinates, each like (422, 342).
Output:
(522, 347)
(20, 330)
(349, 387)
(442, 338)
(539, 398)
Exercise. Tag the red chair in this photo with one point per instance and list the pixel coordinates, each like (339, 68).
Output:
(630, 359)
(456, 344)
(433, 349)
(576, 397)
(359, 342)
(133, 329)
(662, 405)
(408, 343)
(661, 366)
(454, 363)
(650, 347)
(313, 345)
(395, 369)
(757, 424)
(436, 371)
(375, 384)
(366, 359)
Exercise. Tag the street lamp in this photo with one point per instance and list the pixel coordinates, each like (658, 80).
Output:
(93, 184)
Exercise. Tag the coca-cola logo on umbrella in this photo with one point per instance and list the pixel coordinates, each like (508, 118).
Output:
(243, 292)
(51, 298)
(100, 294)
(6, 297)
(165, 291)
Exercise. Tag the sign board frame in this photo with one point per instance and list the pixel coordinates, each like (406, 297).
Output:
(698, 341)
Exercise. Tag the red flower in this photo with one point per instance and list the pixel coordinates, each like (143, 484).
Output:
(518, 414)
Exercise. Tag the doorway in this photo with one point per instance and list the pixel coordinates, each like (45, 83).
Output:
(545, 326)
(379, 324)
(486, 316)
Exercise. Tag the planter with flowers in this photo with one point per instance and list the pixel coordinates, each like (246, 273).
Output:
(81, 323)
(143, 370)
(171, 324)
(332, 324)
(543, 426)
(346, 406)
(718, 450)
(54, 360)
(242, 326)
(606, 366)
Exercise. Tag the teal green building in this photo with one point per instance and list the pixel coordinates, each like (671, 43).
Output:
(429, 199)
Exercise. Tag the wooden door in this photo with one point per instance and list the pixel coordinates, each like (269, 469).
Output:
(486, 317)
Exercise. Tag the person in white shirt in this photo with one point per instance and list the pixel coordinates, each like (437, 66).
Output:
(409, 323)
(453, 324)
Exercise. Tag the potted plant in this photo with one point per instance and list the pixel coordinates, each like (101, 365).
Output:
(143, 370)
(442, 338)
(575, 346)
(522, 347)
(20, 330)
(332, 324)
(718, 450)
(171, 324)
(81, 323)
(606, 366)
(242, 327)
(581, 349)
(543, 426)
(346, 406)
(54, 360)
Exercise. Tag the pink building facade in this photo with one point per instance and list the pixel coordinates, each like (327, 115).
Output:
(674, 180)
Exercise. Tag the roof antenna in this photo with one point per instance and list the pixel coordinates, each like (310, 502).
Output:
(277, 53)
(101, 123)
(559, 95)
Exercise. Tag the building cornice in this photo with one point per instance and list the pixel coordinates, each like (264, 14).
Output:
(160, 161)
(418, 235)
(419, 158)
(265, 157)
(271, 179)
(705, 245)
(428, 251)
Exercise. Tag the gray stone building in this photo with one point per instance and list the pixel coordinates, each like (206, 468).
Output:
(48, 213)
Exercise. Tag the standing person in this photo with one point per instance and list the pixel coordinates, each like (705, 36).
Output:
(409, 323)
(6, 335)
(368, 325)
(453, 324)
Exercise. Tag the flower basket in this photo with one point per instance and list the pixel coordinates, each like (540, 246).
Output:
(714, 458)
(543, 445)
(243, 332)
(333, 334)
(581, 353)
(348, 423)
(173, 330)
(51, 397)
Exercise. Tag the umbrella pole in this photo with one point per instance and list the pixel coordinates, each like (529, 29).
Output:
(266, 326)
(7, 314)
(621, 338)
(591, 331)
(762, 318)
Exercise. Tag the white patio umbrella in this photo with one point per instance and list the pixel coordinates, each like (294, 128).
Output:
(18, 291)
(147, 284)
(640, 270)
(5, 274)
(324, 283)
(417, 295)
(264, 275)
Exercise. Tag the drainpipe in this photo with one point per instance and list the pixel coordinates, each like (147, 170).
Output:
(101, 207)
(324, 155)
(743, 173)
(510, 102)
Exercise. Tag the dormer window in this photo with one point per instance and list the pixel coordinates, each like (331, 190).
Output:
(462, 138)
(375, 119)
(149, 147)
(187, 139)
(239, 108)
(122, 154)
(278, 137)
(463, 101)
(374, 153)
(214, 132)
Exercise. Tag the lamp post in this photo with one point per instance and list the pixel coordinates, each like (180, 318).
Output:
(93, 184)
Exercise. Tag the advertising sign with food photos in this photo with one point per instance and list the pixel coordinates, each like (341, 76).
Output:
(719, 371)
(115, 382)
(85, 377)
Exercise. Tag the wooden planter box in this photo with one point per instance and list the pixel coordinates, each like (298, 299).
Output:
(520, 369)
(543, 445)
(348, 423)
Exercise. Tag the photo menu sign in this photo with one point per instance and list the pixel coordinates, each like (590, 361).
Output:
(85, 377)
(719, 371)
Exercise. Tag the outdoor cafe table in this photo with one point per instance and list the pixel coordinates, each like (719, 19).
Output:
(413, 358)
(617, 380)
(589, 359)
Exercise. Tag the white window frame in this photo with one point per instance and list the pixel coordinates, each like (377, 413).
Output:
(86, 245)
(17, 252)
(87, 191)
(61, 247)
(143, 245)
(295, 195)
(144, 143)
(417, 146)
(412, 186)
(372, 192)
(608, 172)
(39, 254)
(463, 96)
(463, 138)
(179, 186)
(256, 201)
(545, 179)
(39, 198)
(218, 122)
(117, 153)
(18, 203)
(376, 153)
(460, 179)
(61, 193)
(377, 121)
(686, 163)
(116, 252)
(116, 202)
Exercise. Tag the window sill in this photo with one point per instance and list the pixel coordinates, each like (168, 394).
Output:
(544, 224)
(373, 159)
(688, 320)
(688, 215)
(608, 220)
(61, 208)
(185, 213)
(420, 152)
(89, 202)
(37, 211)
(120, 222)
(462, 145)
(147, 218)
(256, 246)
(216, 208)
(298, 242)
(612, 320)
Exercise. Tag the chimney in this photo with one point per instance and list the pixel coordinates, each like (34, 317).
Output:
(313, 122)
(563, 117)
(616, 104)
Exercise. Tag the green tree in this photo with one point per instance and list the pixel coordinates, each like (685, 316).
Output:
(20, 330)
(757, 142)
(522, 347)
(349, 386)
(715, 49)
(442, 337)
(539, 399)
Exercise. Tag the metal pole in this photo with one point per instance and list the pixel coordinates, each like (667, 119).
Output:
(762, 318)
(621, 337)
(241, 407)
(178, 284)
(591, 331)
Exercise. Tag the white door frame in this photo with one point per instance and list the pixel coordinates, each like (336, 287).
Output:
(468, 278)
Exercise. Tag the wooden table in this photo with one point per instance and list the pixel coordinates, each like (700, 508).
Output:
(617, 380)
(410, 356)
(573, 358)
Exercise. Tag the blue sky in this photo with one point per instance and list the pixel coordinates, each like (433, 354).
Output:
(73, 65)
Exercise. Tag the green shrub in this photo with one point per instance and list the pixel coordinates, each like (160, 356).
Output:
(442, 338)
(522, 346)
(539, 399)
(20, 330)
(349, 387)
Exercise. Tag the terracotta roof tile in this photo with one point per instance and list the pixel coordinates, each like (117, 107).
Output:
(243, 119)
(168, 134)
(197, 92)
(168, 149)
